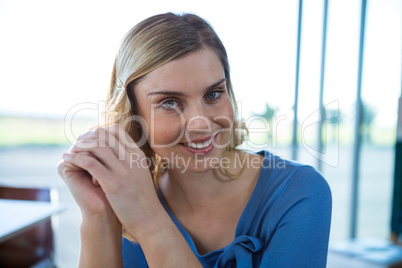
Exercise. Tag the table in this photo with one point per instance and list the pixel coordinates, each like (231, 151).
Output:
(16, 216)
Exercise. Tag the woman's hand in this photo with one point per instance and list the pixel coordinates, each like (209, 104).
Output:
(86, 191)
(110, 157)
(100, 228)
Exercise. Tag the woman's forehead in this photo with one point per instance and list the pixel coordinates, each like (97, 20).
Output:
(198, 69)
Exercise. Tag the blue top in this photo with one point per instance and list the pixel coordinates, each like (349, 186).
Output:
(285, 223)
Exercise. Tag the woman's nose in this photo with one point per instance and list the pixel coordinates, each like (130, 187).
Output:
(197, 119)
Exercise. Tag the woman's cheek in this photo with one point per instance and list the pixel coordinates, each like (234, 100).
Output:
(225, 115)
(165, 133)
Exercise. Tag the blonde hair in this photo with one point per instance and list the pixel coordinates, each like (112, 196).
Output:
(149, 45)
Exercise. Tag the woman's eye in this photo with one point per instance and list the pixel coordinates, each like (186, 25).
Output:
(214, 95)
(169, 104)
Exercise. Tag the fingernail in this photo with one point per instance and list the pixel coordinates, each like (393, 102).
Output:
(66, 156)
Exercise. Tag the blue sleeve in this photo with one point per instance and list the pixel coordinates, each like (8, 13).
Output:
(133, 255)
(301, 236)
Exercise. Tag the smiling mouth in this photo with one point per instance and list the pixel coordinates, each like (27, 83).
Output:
(199, 145)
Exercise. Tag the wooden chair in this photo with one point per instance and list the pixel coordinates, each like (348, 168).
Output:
(35, 246)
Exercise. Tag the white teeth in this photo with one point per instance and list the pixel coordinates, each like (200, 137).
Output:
(200, 145)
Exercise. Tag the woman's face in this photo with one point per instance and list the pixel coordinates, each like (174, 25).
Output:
(187, 110)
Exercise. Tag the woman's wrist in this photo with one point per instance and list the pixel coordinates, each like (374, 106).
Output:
(153, 226)
(163, 244)
(100, 221)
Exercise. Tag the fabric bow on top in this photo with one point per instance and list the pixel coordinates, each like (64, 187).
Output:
(239, 252)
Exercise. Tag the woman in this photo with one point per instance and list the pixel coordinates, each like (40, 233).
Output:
(166, 171)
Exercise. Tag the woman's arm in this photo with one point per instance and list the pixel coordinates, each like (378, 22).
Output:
(164, 246)
(301, 236)
(101, 243)
(100, 228)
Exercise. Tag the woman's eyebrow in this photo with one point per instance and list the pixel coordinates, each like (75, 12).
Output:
(214, 85)
(178, 93)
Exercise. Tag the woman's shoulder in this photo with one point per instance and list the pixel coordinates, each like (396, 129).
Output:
(284, 186)
(279, 176)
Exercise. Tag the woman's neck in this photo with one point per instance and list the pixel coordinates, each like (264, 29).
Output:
(196, 191)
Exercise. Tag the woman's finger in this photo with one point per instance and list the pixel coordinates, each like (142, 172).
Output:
(101, 138)
(125, 139)
(118, 148)
(90, 164)
(104, 154)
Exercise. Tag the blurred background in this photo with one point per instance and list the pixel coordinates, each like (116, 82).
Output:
(56, 59)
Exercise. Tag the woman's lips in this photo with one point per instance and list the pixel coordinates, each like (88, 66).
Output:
(200, 143)
(200, 146)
